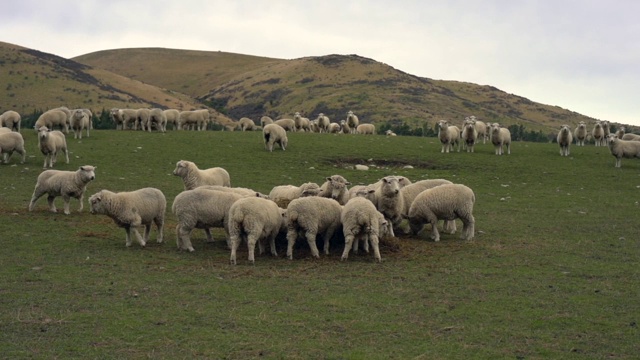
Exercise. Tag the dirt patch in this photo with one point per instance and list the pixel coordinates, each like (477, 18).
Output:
(418, 164)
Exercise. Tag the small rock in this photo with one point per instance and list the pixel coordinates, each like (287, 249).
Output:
(362, 167)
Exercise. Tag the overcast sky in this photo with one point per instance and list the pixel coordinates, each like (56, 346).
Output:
(581, 55)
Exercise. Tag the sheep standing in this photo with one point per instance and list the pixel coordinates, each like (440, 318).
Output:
(50, 143)
(323, 123)
(444, 202)
(274, 134)
(192, 177)
(411, 191)
(143, 119)
(80, 120)
(389, 201)
(335, 187)
(11, 119)
(598, 134)
(620, 132)
(129, 118)
(564, 139)
(286, 124)
(309, 217)
(469, 135)
(196, 119)
(246, 124)
(346, 128)
(158, 119)
(301, 123)
(282, 195)
(362, 222)
(53, 118)
(500, 137)
(622, 148)
(352, 121)
(173, 117)
(334, 128)
(449, 135)
(68, 184)
(131, 209)
(366, 129)
(580, 133)
(265, 120)
(11, 142)
(480, 126)
(253, 219)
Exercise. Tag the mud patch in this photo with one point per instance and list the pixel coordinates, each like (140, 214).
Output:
(386, 163)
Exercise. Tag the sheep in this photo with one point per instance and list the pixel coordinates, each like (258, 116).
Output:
(301, 123)
(173, 118)
(53, 117)
(309, 217)
(116, 118)
(192, 177)
(4, 130)
(620, 132)
(11, 119)
(142, 119)
(448, 135)
(246, 124)
(158, 119)
(580, 133)
(411, 191)
(335, 187)
(345, 128)
(361, 221)
(622, 148)
(287, 124)
(352, 121)
(334, 128)
(274, 134)
(598, 134)
(50, 143)
(235, 190)
(198, 119)
(129, 118)
(265, 120)
(366, 129)
(500, 137)
(564, 139)
(368, 191)
(444, 202)
(390, 133)
(68, 184)
(323, 123)
(131, 209)
(389, 201)
(469, 135)
(630, 136)
(606, 129)
(282, 195)
(254, 219)
(11, 142)
(80, 120)
(480, 126)
(201, 208)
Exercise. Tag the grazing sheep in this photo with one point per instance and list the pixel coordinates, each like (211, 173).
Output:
(246, 124)
(564, 139)
(389, 133)
(361, 221)
(274, 134)
(500, 137)
(366, 191)
(622, 148)
(352, 121)
(50, 143)
(411, 191)
(201, 208)
(469, 135)
(11, 119)
(11, 142)
(286, 124)
(323, 123)
(80, 120)
(345, 128)
(448, 135)
(196, 119)
(309, 217)
(366, 129)
(301, 123)
(282, 195)
(52, 118)
(129, 118)
(631, 137)
(158, 119)
(389, 201)
(68, 184)
(131, 209)
(580, 133)
(253, 220)
(620, 132)
(334, 128)
(335, 187)
(173, 118)
(265, 120)
(598, 134)
(192, 177)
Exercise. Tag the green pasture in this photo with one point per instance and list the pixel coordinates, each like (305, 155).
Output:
(553, 272)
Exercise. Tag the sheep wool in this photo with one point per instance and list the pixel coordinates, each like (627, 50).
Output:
(68, 184)
(309, 217)
(282, 195)
(564, 139)
(622, 148)
(449, 135)
(500, 137)
(352, 122)
(11, 142)
(274, 134)
(580, 133)
(50, 143)
(192, 177)
(362, 222)
(11, 119)
(335, 187)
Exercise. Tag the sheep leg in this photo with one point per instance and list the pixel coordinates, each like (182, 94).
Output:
(235, 242)
(365, 244)
(81, 199)
(292, 235)
(327, 238)
(272, 244)
(52, 206)
(311, 239)
(433, 220)
(147, 232)
(127, 230)
(37, 193)
(449, 226)
(348, 242)
(252, 239)
(66, 155)
(375, 243)
(468, 227)
(160, 225)
(66, 199)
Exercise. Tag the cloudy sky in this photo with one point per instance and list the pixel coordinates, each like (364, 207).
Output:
(582, 55)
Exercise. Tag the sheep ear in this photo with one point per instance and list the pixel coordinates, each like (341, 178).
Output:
(329, 178)
(371, 191)
(347, 183)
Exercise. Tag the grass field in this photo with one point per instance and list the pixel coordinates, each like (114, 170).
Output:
(552, 273)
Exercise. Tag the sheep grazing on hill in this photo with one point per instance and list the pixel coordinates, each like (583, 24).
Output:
(444, 202)
(335, 187)
(469, 135)
(286, 124)
(11, 142)
(323, 123)
(449, 135)
(308, 217)
(598, 134)
(50, 143)
(366, 129)
(53, 118)
(301, 123)
(352, 122)
(564, 139)
(282, 195)
(265, 120)
(274, 134)
(622, 148)
(11, 119)
(80, 120)
(345, 128)
(194, 119)
(192, 177)
(246, 124)
(411, 191)
(580, 133)
(500, 137)
(68, 184)
(131, 209)
(362, 222)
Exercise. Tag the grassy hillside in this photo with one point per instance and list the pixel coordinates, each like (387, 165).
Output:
(552, 272)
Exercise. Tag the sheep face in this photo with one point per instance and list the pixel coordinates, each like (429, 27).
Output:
(390, 186)
(43, 133)
(95, 203)
(337, 186)
(87, 173)
(182, 168)
(611, 139)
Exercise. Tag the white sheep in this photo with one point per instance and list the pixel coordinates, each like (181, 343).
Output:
(389, 133)
(11, 142)
(246, 124)
(444, 202)
(131, 209)
(469, 135)
(481, 128)
(411, 191)
(564, 139)
(265, 120)
(301, 123)
(116, 118)
(52, 118)
(129, 118)
(286, 124)
(236, 190)
(11, 119)
(580, 133)
(158, 119)
(598, 134)
(352, 121)
(196, 119)
(68, 184)
(622, 148)
(334, 128)
(631, 137)
(142, 119)
(366, 129)
(4, 130)
(449, 135)
(500, 137)
(282, 195)
(335, 187)
(192, 177)
(274, 134)
(605, 129)
(345, 127)
(389, 201)
(50, 143)
(173, 118)
(323, 123)
(309, 217)
(362, 222)
(620, 132)
(254, 219)
(80, 120)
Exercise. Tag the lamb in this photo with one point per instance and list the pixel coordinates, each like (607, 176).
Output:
(335, 187)
(309, 217)
(53, 117)
(274, 134)
(469, 135)
(158, 119)
(389, 201)
(131, 209)
(352, 121)
(173, 118)
(598, 134)
(80, 120)
(444, 202)
(282, 195)
(286, 124)
(366, 129)
(192, 177)
(11, 119)
(622, 148)
(500, 137)
(50, 143)
(411, 191)
(361, 221)
(301, 123)
(11, 142)
(448, 135)
(68, 184)
(246, 124)
(323, 123)
(580, 133)
(265, 120)
(630, 136)
(253, 220)
(564, 139)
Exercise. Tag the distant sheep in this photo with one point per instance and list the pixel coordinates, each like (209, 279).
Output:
(286, 124)
(469, 135)
(53, 118)
(309, 217)
(352, 122)
(116, 118)
(143, 119)
(449, 135)
(11, 142)
(366, 129)
(334, 128)
(335, 187)
(173, 117)
(274, 134)
(622, 148)
(68, 184)
(564, 139)
(631, 137)
(282, 195)
(598, 134)
(580, 133)
(345, 128)
(500, 137)
(246, 124)
(11, 119)
(50, 143)
(129, 118)
(196, 120)
(362, 222)
(606, 128)
(158, 119)
(389, 133)
(265, 120)
(131, 209)
(192, 177)
(323, 123)
(80, 120)
(301, 123)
